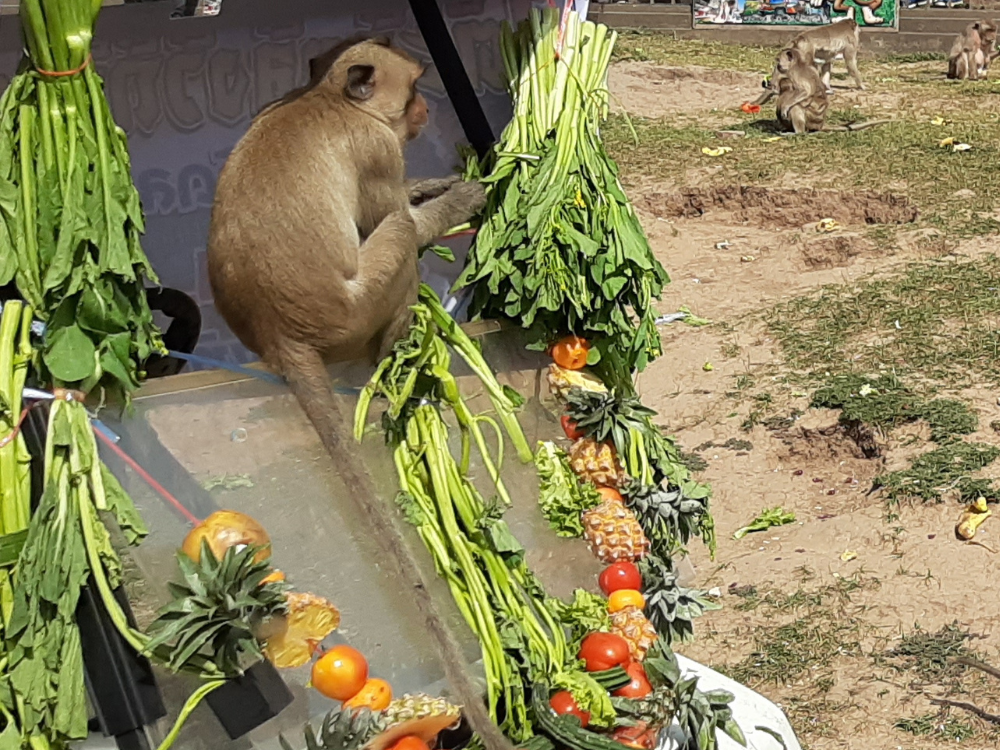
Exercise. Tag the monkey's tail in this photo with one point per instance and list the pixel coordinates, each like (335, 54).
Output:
(851, 127)
(310, 382)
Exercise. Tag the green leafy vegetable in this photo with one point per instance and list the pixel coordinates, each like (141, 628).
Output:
(560, 246)
(587, 613)
(589, 695)
(70, 217)
(562, 497)
(768, 518)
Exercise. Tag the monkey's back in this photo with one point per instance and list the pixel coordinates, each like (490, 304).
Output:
(288, 218)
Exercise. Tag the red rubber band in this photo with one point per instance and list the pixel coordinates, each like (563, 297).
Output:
(62, 73)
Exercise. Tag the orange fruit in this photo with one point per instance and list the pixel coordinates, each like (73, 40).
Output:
(610, 493)
(224, 529)
(340, 673)
(375, 694)
(571, 353)
(410, 742)
(276, 576)
(623, 598)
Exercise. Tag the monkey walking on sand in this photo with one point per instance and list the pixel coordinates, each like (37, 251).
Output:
(312, 258)
(821, 45)
(973, 51)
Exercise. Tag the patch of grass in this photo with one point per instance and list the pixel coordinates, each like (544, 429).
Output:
(941, 470)
(931, 656)
(693, 461)
(652, 46)
(936, 321)
(884, 402)
(938, 725)
(784, 653)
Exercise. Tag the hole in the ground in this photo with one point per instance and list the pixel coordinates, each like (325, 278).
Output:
(776, 208)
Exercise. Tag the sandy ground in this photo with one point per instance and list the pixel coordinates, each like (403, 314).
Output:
(916, 572)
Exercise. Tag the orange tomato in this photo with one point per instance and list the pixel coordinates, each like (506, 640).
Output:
(623, 598)
(375, 694)
(410, 742)
(571, 353)
(224, 529)
(340, 673)
(610, 493)
(275, 576)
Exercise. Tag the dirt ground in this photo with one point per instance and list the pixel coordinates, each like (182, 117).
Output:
(809, 609)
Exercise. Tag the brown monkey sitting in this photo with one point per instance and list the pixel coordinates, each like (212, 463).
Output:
(802, 97)
(972, 51)
(312, 257)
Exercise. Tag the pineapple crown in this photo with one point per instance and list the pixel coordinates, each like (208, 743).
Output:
(607, 416)
(671, 608)
(341, 730)
(216, 610)
(668, 516)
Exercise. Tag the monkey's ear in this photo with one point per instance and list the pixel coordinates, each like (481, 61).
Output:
(382, 41)
(360, 82)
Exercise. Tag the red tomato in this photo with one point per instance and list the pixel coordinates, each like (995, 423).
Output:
(640, 737)
(603, 651)
(410, 742)
(569, 427)
(618, 576)
(639, 687)
(563, 703)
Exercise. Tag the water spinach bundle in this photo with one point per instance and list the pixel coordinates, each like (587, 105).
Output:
(71, 217)
(560, 248)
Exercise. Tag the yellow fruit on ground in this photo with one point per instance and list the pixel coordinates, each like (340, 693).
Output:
(623, 598)
(224, 529)
(375, 694)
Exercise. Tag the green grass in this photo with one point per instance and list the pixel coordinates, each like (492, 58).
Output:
(930, 657)
(663, 49)
(938, 725)
(935, 322)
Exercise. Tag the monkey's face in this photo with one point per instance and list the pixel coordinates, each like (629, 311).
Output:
(382, 81)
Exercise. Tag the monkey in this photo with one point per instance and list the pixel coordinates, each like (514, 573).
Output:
(821, 45)
(181, 335)
(313, 259)
(802, 98)
(972, 51)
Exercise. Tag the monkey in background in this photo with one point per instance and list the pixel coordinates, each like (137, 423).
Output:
(820, 46)
(312, 258)
(972, 51)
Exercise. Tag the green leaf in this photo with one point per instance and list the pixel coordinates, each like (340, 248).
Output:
(69, 354)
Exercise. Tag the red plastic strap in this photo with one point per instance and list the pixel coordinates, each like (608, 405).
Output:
(62, 73)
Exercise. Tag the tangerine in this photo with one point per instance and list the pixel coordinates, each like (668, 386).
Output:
(340, 673)
(571, 352)
(410, 742)
(375, 694)
(623, 598)
(610, 493)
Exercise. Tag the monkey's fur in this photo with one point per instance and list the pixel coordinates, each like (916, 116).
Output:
(821, 45)
(972, 51)
(312, 258)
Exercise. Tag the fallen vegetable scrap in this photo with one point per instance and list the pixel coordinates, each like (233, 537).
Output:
(749, 108)
(827, 225)
(974, 515)
(767, 519)
(718, 151)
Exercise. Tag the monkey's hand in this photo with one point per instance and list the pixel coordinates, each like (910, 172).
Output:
(456, 205)
(424, 190)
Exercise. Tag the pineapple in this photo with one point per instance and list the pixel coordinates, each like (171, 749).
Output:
(562, 381)
(613, 533)
(341, 730)
(632, 625)
(222, 611)
(596, 462)
(418, 706)
(651, 713)
(310, 619)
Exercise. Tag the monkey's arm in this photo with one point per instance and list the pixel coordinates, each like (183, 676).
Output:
(456, 205)
(765, 97)
(425, 189)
